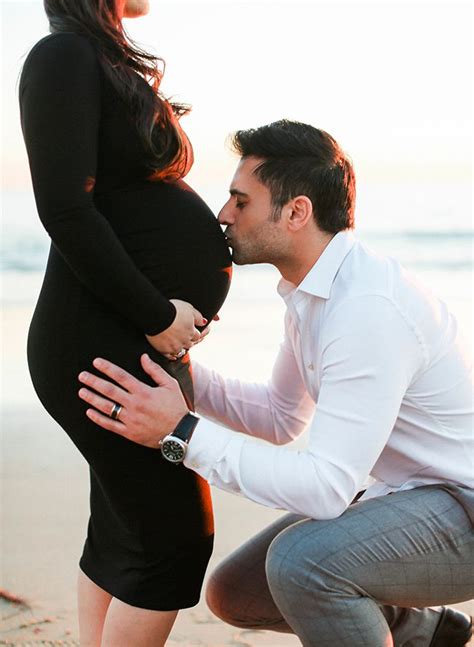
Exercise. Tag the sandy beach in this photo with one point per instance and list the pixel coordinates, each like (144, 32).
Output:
(45, 496)
(44, 502)
(45, 510)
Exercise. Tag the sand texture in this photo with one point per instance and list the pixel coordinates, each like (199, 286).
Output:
(44, 501)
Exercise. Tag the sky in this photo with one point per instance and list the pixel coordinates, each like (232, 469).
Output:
(391, 81)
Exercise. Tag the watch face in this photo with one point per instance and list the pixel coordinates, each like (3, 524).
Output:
(173, 450)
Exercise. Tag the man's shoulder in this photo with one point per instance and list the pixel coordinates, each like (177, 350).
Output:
(367, 273)
(370, 285)
(364, 272)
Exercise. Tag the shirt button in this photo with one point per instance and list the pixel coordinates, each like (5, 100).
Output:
(311, 367)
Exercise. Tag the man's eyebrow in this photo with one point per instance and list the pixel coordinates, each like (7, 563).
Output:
(237, 192)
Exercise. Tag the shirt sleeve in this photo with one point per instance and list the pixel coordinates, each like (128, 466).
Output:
(60, 106)
(369, 356)
(278, 411)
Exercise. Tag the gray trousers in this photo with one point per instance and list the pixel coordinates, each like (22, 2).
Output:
(365, 579)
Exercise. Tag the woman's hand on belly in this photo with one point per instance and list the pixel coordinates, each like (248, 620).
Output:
(182, 333)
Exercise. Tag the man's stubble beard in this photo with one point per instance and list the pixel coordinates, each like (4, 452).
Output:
(272, 250)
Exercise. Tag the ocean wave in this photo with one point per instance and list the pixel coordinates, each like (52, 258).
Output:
(422, 235)
(422, 249)
(27, 254)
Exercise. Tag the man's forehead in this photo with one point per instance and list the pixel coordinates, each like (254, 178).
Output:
(244, 173)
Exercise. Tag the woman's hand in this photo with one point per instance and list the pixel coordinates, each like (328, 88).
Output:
(182, 333)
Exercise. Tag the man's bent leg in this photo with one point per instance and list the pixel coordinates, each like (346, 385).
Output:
(237, 590)
(408, 549)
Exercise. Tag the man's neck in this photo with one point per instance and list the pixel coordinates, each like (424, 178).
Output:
(306, 254)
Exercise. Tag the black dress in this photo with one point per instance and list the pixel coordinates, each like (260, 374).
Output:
(122, 245)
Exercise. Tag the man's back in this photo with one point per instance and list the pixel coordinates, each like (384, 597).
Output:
(432, 437)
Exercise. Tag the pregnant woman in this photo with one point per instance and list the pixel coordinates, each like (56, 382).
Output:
(132, 248)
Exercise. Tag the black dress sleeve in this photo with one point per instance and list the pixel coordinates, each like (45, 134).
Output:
(60, 104)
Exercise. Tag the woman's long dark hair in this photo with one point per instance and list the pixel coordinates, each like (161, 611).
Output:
(121, 60)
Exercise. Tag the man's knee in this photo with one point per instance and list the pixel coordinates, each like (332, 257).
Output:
(221, 595)
(292, 566)
(284, 565)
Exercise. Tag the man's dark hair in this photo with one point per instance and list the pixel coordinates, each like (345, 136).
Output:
(302, 160)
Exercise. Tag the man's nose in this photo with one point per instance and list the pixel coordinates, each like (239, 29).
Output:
(225, 215)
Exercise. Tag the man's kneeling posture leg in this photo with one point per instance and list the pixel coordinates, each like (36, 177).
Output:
(363, 579)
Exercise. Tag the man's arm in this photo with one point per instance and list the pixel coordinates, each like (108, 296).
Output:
(368, 363)
(277, 411)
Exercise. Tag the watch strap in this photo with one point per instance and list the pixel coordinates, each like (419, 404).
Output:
(186, 426)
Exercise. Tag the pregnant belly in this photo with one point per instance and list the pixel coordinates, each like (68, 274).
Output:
(175, 240)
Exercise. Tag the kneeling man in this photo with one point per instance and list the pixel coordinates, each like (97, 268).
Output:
(373, 362)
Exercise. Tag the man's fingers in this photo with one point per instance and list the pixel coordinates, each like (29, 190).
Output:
(108, 423)
(100, 403)
(154, 370)
(118, 374)
(109, 390)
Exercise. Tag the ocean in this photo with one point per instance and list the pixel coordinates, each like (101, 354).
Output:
(427, 228)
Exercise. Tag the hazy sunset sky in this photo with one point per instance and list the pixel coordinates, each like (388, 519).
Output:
(390, 80)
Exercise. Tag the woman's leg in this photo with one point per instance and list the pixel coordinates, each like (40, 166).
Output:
(93, 603)
(126, 625)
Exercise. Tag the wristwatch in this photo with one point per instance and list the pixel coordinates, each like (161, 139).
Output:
(175, 445)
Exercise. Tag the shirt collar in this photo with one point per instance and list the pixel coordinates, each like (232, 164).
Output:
(318, 281)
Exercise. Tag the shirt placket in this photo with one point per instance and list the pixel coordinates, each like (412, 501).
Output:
(298, 308)
(309, 315)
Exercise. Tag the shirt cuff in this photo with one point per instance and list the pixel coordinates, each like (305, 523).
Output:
(210, 446)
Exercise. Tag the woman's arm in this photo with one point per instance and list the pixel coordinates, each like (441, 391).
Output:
(60, 100)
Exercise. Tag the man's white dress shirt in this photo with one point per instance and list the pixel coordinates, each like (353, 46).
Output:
(374, 362)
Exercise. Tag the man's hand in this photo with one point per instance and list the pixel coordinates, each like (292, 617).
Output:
(148, 413)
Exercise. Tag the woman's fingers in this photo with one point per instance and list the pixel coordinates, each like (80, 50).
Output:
(155, 371)
(199, 320)
(197, 339)
(196, 336)
(172, 358)
(170, 345)
(204, 334)
(187, 309)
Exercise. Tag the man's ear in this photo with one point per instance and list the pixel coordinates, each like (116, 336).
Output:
(298, 212)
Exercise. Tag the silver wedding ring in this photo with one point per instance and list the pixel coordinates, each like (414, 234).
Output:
(181, 353)
(116, 409)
